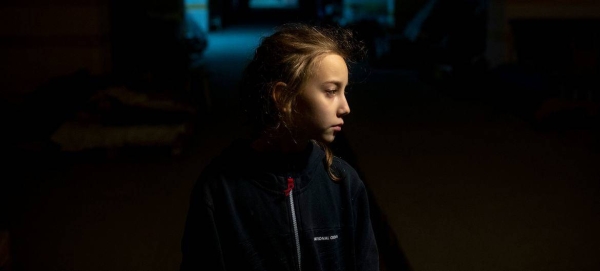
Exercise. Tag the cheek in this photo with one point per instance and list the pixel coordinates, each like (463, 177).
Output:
(314, 113)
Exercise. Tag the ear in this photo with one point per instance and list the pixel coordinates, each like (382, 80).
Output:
(277, 93)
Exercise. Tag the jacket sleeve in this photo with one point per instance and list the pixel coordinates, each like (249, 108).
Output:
(366, 252)
(200, 246)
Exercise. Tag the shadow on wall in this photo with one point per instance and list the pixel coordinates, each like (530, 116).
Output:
(391, 254)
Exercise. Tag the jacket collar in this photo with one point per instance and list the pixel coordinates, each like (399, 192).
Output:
(272, 169)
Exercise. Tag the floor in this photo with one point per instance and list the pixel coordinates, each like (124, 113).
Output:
(464, 185)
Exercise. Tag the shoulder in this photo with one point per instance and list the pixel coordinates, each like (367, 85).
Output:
(348, 174)
(205, 183)
(232, 159)
(219, 170)
(344, 167)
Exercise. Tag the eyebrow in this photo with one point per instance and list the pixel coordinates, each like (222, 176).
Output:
(337, 83)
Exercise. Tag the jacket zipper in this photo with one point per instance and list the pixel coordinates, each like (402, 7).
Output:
(288, 192)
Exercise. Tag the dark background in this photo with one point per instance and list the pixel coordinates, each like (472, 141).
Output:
(474, 125)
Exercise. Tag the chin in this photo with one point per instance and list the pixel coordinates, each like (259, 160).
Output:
(327, 139)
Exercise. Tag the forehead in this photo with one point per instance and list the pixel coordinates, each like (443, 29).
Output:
(330, 67)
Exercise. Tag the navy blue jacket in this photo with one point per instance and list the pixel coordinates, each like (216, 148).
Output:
(261, 211)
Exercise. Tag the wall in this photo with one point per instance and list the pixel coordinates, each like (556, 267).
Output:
(500, 41)
(43, 39)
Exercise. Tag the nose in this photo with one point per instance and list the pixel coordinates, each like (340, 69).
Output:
(344, 108)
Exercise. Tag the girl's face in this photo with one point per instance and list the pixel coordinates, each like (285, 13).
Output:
(322, 103)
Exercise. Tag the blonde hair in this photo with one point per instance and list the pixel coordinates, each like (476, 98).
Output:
(289, 56)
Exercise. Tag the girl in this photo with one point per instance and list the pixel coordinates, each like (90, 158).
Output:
(282, 201)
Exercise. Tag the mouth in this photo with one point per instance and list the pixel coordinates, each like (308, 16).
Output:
(337, 127)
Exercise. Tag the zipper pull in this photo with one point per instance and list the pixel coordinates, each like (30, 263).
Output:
(290, 186)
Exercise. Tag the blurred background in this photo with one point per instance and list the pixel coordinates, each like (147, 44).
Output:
(474, 125)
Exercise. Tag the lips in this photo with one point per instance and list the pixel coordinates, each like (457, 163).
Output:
(337, 127)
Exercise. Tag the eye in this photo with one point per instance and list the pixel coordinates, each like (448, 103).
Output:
(331, 92)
